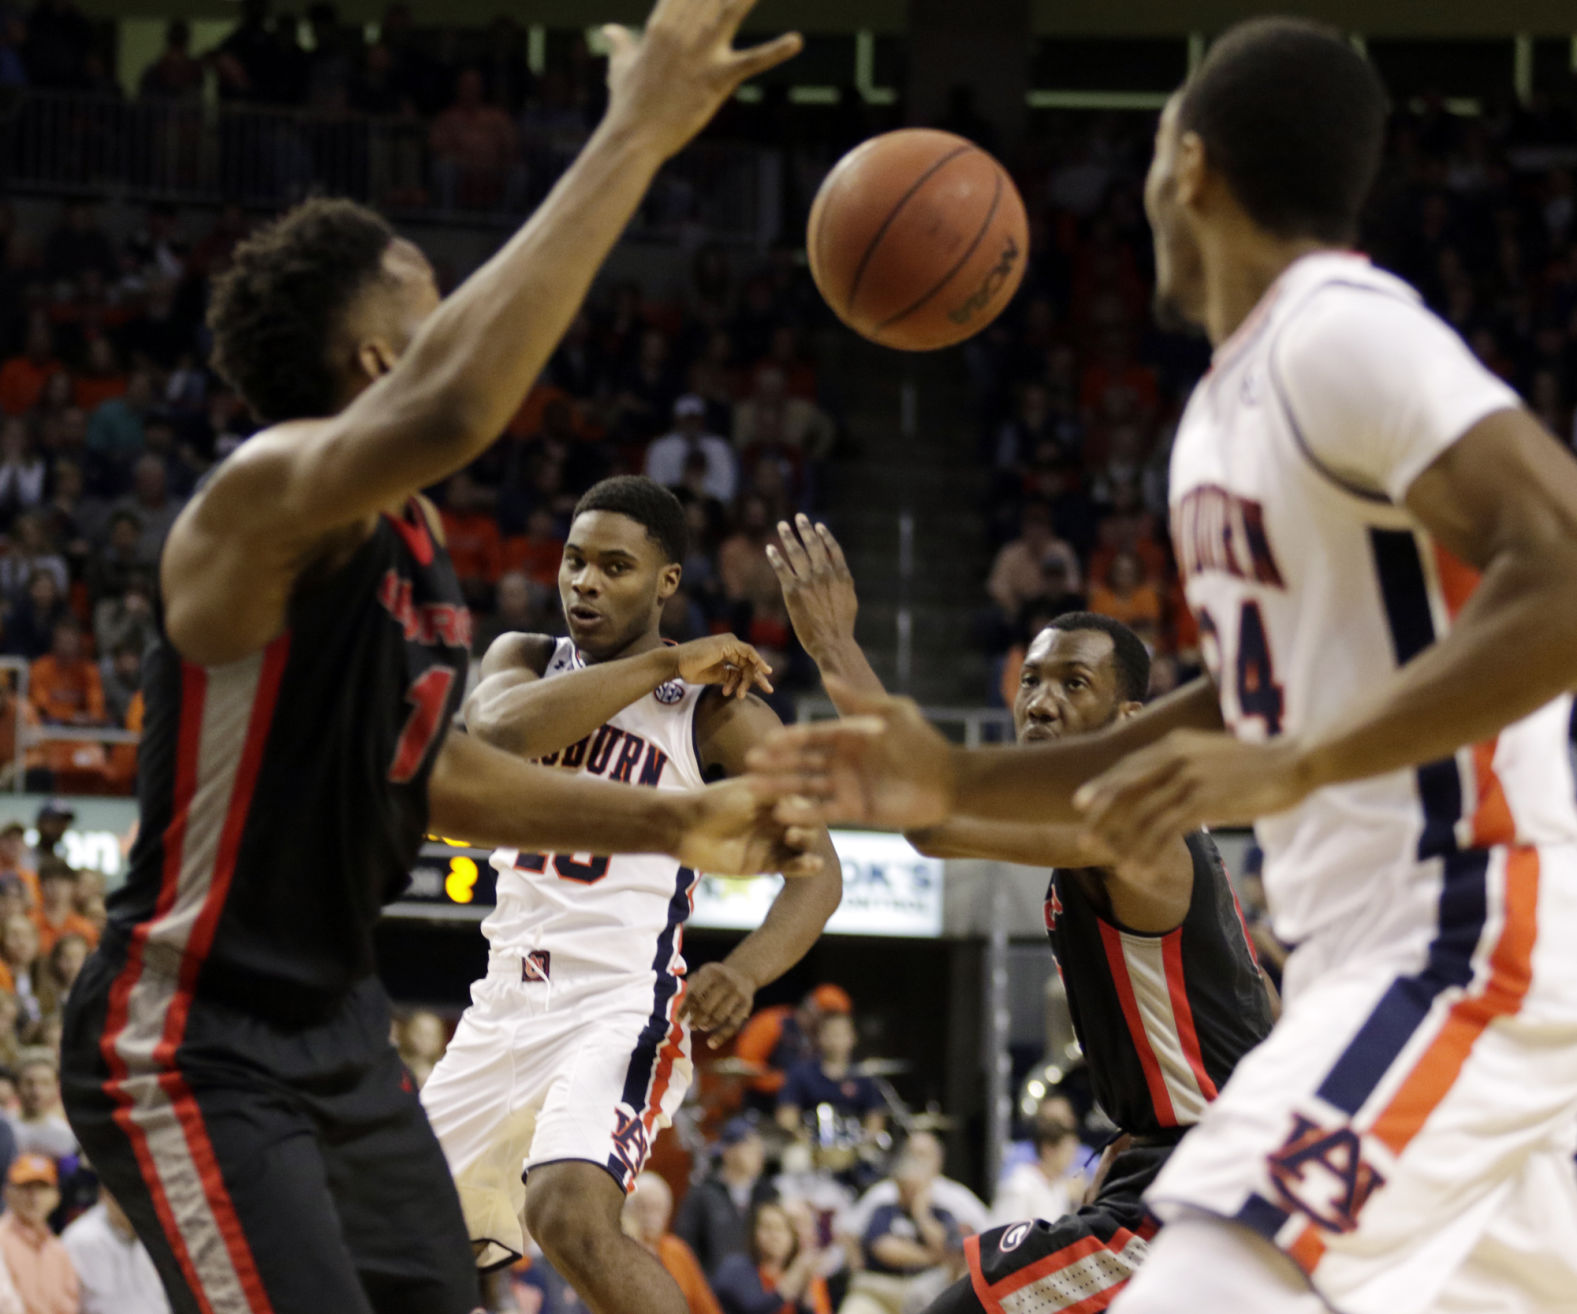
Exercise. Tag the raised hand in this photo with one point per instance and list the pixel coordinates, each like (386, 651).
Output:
(883, 766)
(667, 84)
(817, 586)
(734, 829)
(725, 660)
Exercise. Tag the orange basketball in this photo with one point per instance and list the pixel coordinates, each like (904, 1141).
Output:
(918, 239)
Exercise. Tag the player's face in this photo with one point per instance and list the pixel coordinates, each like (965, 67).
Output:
(1068, 686)
(613, 581)
(1179, 276)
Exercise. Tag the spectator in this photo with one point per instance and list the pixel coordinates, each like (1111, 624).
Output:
(64, 683)
(22, 378)
(1046, 1187)
(420, 1037)
(115, 1271)
(771, 419)
(64, 962)
(714, 1219)
(53, 819)
(100, 378)
(115, 429)
(30, 630)
(472, 533)
(665, 459)
(1125, 595)
(17, 860)
(22, 470)
(911, 1247)
(783, 1036)
(474, 150)
(647, 390)
(536, 553)
(830, 1079)
(1018, 573)
(151, 499)
(120, 674)
(122, 564)
(175, 74)
(32, 554)
(34, 1256)
(646, 1215)
(967, 1209)
(40, 1124)
(57, 917)
(516, 609)
(780, 1272)
(11, 1020)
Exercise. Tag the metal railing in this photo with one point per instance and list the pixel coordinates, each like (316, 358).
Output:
(190, 153)
(16, 672)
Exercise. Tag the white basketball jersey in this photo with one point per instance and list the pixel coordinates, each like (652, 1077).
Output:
(624, 913)
(1312, 584)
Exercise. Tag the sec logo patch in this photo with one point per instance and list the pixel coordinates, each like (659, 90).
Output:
(669, 693)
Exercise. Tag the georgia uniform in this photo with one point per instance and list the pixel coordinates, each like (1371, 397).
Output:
(572, 1047)
(1405, 1134)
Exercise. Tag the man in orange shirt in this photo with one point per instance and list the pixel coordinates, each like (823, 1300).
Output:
(39, 1265)
(781, 1036)
(646, 1215)
(64, 684)
(56, 914)
(471, 531)
(22, 378)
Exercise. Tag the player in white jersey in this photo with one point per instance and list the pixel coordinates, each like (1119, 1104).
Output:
(575, 1050)
(1380, 546)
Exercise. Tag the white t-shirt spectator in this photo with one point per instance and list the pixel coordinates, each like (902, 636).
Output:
(50, 1136)
(1027, 1193)
(665, 460)
(967, 1208)
(117, 1275)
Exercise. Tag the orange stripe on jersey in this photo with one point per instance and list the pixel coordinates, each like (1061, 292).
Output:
(1492, 823)
(1307, 1249)
(1511, 973)
(670, 1052)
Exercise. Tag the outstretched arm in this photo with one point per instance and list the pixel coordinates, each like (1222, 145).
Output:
(235, 554)
(489, 798)
(721, 994)
(513, 708)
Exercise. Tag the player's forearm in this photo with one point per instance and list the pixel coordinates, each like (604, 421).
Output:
(489, 798)
(1026, 843)
(1512, 650)
(846, 661)
(1039, 781)
(544, 716)
(793, 922)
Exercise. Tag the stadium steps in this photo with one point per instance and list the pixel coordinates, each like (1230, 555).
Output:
(936, 475)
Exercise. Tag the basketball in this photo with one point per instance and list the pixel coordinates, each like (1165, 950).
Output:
(917, 239)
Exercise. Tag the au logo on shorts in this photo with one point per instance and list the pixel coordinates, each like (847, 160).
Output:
(629, 1140)
(1323, 1174)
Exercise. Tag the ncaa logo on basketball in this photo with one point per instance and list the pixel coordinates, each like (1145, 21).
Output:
(669, 693)
(1013, 1238)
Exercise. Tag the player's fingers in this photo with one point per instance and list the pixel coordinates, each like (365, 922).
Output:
(793, 549)
(834, 549)
(746, 64)
(619, 38)
(802, 864)
(815, 549)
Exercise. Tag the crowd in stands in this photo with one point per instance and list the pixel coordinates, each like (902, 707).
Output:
(109, 417)
(1078, 394)
(65, 1245)
(783, 1203)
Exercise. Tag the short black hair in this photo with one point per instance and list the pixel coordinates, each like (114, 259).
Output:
(1129, 654)
(277, 306)
(646, 502)
(1294, 118)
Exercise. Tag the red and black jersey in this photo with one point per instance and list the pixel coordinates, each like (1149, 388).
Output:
(284, 796)
(1162, 1019)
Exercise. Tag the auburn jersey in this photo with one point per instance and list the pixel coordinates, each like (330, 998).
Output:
(1312, 583)
(284, 796)
(623, 914)
(1162, 1019)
